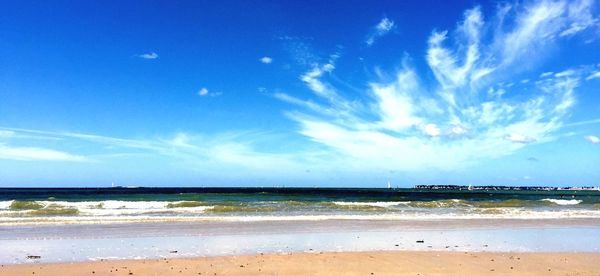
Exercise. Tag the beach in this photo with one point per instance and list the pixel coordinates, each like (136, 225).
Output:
(328, 247)
(347, 263)
(325, 232)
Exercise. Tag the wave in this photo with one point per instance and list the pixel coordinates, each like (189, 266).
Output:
(562, 201)
(26, 209)
(25, 205)
(98, 208)
(443, 203)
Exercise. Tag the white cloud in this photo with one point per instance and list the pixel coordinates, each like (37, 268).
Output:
(210, 154)
(300, 49)
(382, 28)
(593, 75)
(36, 154)
(151, 55)
(402, 123)
(395, 102)
(432, 130)
(566, 73)
(519, 36)
(385, 25)
(445, 64)
(458, 130)
(496, 92)
(519, 138)
(323, 89)
(203, 91)
(266, 60)
(580, 11)
(582, 123)
(476, 116)
(592, 139)
(6, 133)
(304, 103)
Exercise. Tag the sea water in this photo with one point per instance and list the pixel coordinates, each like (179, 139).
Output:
(112, 205)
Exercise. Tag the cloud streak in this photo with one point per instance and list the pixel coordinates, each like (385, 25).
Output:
(36, 154)
(192, 152)
(151, 55)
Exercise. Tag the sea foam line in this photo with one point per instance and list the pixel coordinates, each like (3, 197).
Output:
(374, 204)
(416, 216)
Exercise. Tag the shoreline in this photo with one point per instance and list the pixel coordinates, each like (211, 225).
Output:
(333, 263)
(206, 227)
(124, 220)
(76, 243)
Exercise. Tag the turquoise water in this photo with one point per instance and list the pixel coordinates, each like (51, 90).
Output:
(74, 205)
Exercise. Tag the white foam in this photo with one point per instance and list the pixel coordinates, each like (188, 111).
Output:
(111, 204)
(5, 204)
(383, 204)
(510, 213)
(563, 201)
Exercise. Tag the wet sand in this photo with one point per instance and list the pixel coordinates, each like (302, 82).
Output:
(318, 263)
(147, 241)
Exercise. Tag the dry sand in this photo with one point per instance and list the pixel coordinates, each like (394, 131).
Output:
(347, 263)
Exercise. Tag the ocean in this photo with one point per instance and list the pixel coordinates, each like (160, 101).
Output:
(115, 205)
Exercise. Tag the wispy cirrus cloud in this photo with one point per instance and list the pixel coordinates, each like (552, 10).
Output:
(382, 28)
(519, 138)
(474, 108)
(28, 153)
(300, 49)
(36, 154)
(593, 75)
(210, 154)
(470, 114)
(6, 133)
(582, 18)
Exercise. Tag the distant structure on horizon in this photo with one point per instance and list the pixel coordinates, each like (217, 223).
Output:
(503, 188)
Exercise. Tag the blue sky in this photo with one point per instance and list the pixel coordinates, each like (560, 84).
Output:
(305, 93)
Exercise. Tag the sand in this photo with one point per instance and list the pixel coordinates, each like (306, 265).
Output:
(347, 263)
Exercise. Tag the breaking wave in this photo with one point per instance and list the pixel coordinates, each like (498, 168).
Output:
(563, 201)
(62, 211)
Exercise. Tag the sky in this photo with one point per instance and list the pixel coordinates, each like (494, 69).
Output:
(299, 93)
